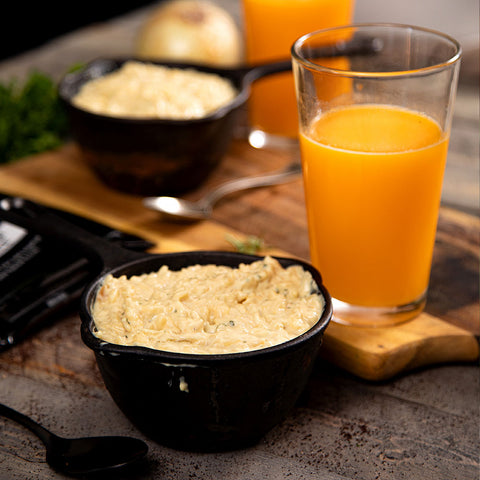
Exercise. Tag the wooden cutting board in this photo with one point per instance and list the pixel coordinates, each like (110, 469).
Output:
(60, 179)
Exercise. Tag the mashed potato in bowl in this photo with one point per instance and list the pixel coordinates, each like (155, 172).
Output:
(208, 309)
(146, 90)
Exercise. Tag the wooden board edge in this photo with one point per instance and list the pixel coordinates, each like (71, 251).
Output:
(449, 344)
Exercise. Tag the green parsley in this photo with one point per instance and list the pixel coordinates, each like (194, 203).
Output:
(250, 245)
(32, 120)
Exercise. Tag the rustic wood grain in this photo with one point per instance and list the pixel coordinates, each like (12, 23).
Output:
(277, 214)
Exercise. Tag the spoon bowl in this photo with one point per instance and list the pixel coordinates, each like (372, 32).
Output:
(178, 209)
(81, 456)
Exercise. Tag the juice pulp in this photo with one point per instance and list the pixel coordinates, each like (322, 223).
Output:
(373, 178)
(271, 27)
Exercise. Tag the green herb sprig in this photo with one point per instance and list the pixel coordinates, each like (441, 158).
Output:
(32, 119)
(251, 244)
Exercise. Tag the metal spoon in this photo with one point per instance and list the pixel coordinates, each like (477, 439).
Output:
(80, 456)
(180, 209)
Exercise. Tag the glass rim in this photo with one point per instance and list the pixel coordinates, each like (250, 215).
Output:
(380, 74)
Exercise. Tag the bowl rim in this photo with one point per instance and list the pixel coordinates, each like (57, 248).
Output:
(101, 347)
(79, 77)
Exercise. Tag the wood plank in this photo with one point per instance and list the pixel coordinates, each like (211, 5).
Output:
(60, 179)
(381, 353)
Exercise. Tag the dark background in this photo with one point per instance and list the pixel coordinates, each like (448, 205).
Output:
(26, 25)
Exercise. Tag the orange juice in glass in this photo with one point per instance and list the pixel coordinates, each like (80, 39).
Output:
(271, 27)
(373, 160)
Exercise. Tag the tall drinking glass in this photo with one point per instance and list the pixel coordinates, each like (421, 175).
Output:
(271, 26)
(373, 141)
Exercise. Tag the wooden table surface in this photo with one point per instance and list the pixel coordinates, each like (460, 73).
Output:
(423, 424)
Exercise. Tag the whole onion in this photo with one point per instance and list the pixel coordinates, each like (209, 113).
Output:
(195, 31)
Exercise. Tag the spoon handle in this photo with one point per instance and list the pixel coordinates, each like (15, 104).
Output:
(291, 171)
(41, 432)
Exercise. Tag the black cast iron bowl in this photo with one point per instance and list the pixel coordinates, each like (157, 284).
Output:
(160, 156)
(204, 402)
(188, 401)
(156, 156)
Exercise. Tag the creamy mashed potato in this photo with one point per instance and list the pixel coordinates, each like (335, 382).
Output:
(152, 91)
(208, 309)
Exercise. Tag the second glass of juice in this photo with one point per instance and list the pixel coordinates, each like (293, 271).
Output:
(373, 154)
(271, 26)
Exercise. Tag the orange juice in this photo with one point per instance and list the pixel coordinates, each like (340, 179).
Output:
(271, 27)
(373, 178)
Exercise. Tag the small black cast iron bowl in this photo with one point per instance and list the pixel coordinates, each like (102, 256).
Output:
(204, 402)
(156, 156)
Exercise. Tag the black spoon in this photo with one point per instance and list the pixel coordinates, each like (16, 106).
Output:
(81, 456)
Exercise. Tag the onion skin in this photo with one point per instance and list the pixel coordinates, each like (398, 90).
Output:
(195, 31)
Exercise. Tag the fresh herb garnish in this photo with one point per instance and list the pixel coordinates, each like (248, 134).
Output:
(251, 244)
(32, 120)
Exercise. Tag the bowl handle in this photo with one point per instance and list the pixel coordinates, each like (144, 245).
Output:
(366, 46)
(35, 218)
